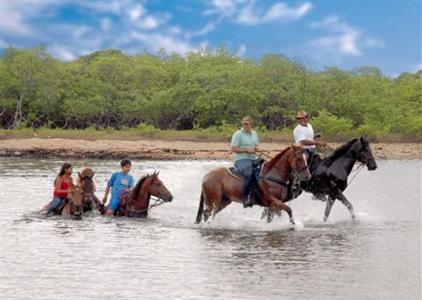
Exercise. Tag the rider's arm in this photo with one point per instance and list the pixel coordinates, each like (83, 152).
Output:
(235, 145)
(309, 142)
(107, 190)
(243, 149)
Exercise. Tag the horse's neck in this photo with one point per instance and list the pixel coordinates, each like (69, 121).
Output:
(141, 199)
(280, 170)
(345, 162)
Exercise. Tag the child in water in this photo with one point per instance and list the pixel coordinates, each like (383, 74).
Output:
(119, 182)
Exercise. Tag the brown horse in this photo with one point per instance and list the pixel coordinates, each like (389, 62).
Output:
(73, 207)
(87, 185)
(135, 203)
(220, 188)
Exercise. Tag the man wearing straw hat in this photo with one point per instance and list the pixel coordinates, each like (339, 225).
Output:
(304, 133)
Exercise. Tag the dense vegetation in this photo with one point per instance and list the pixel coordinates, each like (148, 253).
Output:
(207, 90)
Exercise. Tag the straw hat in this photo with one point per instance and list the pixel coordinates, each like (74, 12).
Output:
(301, 114)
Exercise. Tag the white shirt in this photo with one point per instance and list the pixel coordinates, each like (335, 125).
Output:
(304, 133)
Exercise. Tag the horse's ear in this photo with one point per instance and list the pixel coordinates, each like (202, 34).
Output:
(156, 173)
(79, 174)
(93, 173)
(364, 140)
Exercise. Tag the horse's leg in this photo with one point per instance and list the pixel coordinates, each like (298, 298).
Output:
(212, 197)
(269, 213)
(279, 205)
(328, 207)
(65, 211)
(224, 202)
(346, 203)
(209, 206)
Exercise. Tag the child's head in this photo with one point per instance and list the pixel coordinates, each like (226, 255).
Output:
(126, 164)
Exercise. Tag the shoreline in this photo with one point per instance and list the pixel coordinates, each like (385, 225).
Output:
(156, 149)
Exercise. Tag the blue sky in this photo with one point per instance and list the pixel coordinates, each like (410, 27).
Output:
(345, 34)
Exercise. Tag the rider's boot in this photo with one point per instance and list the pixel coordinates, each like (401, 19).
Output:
(247, 201)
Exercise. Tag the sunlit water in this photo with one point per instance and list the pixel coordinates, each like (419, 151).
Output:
(237, 256)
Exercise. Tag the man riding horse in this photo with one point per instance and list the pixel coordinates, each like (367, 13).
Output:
(244, 144)
(304, 134)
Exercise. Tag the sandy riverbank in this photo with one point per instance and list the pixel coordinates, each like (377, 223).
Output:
(164, 149)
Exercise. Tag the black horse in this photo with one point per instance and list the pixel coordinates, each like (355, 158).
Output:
(329, 175)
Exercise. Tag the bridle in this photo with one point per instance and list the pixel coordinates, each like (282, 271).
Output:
(158, 200)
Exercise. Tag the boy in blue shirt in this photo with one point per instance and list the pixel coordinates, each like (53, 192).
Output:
(118, 182)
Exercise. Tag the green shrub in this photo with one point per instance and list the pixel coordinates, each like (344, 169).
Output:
(332, 126)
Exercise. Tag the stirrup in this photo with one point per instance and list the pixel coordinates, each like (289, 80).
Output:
(247, 202)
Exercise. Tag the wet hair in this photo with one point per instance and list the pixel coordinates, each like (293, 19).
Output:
(125, 162)
(63, 168)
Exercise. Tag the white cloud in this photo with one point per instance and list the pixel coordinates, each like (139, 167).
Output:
(156, 41)
(67, 41)
(61, 52)
(242, 50)
(282, 11)
(341, 39)
(14, 14)
(114, 7)
(210, 26)
(149, 22)
(416, 67)
(135, 12)
(248, 13)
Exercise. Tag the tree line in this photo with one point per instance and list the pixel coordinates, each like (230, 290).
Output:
(211, 87)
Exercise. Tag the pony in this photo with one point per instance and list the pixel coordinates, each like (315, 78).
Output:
(87, 185)
(220, 187)
(136, 202)
(73, 207)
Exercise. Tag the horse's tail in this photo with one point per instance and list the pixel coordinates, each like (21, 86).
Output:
(200, 209)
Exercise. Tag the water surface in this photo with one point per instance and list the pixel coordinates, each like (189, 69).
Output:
(237, 256)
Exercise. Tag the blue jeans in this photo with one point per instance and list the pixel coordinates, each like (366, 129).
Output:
(55, 204)
(245, 167)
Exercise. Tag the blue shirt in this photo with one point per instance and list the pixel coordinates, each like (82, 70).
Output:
(118, 182)
(243, 139)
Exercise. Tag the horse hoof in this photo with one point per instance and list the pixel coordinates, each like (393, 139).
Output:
(292, 222)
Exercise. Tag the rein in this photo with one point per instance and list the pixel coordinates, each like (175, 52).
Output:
(157, 202)
(272, 179)
(357, 171)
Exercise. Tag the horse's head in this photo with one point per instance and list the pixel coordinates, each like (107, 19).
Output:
(363, 154)
(87, 183)
(158, 189)
(150, 185)
(75, 201)
(298, 162)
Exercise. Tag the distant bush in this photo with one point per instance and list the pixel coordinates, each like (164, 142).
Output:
(332, 126)
(373, 130)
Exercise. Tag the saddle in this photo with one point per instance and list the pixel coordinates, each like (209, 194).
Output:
(257, 168)
(254, 192)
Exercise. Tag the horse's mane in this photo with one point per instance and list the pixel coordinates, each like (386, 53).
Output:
(341, 150)
(87, 172)
(138, 186)
(274, 160)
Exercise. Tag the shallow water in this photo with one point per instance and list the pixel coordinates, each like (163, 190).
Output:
(237, 256)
